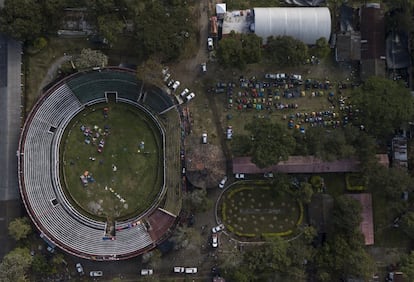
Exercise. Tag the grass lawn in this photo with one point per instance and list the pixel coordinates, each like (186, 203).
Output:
(253, 209)
(37, 65)
(138, 177)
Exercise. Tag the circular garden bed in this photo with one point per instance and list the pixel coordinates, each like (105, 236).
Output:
(257, 210)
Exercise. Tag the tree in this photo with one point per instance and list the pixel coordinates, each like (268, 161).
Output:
(198, 200)
(346, 215)
(237, 50)
(110, 26)
(230, 53)
(241, 145)
(40, 265)
(91, 58)
(305, 192)
(39, 43)
(15, 265)
(21, 19)
(407, 224)
(286, 51)
(384, 105)
(407, 266)
(321, 48)
(20, 228)
(271, 142)
(150, 71)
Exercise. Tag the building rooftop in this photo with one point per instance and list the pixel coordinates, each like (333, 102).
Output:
(367, 224)
(238, 21)
(301, 164)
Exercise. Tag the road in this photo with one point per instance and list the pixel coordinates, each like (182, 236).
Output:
(10, 123)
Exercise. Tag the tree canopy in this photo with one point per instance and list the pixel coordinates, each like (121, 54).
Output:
(89, 58)
(286, 51)
(237, 50)
(384, 105)
(21, 19)
(15, 265)
(270, 142)
(20, 228)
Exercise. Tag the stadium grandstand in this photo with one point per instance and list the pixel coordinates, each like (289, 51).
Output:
(58, 221)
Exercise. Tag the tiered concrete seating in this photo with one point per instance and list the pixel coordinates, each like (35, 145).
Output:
(93, 85)
(39, 164)
(157, 100)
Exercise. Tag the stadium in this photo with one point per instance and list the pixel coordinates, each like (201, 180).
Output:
(60, 221)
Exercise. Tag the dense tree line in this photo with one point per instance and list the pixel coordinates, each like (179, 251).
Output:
(158, 27)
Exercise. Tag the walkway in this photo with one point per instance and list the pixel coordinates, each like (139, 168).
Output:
(10, 93)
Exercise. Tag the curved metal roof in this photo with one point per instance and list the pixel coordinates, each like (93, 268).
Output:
(305, 24)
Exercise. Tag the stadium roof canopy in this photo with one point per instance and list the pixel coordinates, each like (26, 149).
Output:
(304, 24)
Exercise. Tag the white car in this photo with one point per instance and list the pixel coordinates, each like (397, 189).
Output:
(239, 176)
(204, 67)
(147, 272)
(217, 228)
(96, 273)
(229, 132)
(167, 77)
(210, 44)
(170, 83)
(190, 96)
(191, 270)
(179, 269)
(214, 240)
(175, 85)
(204, 138)
(222, 182)
(184, 93)
(79, 268)
(164, 71)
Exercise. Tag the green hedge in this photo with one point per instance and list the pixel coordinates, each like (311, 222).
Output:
(350, 186)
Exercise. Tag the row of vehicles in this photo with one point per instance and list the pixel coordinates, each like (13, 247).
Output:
(174, 84)
(187, 270)
(94, 273)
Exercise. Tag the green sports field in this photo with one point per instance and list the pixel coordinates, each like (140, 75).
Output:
(250, 209)
(112, 161)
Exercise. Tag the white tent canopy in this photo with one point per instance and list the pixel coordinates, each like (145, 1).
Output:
(305, 24)
(220, 8)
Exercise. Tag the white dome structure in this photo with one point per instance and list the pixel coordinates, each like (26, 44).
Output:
(304, 24)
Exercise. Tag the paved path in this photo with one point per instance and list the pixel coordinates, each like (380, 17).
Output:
(52, 71)
(10, 101)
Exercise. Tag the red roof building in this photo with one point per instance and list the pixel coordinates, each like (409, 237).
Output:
(367, 224)
(302, 164)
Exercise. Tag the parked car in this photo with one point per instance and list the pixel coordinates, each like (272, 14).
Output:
(190, 96)
(79, 269)
(175, 85)
(179, 269)
(214, 240)
(191, 270)
(222, 182)
(268, 175)
(229, 132)
(210, 44)
(167, 77)
(203, 67)
(164, 71)
(96, 273)
(147, 272)
(204, 138)
(239, 176)
(170, 83)
(217, 228)
(270, 75)
(184, 93)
